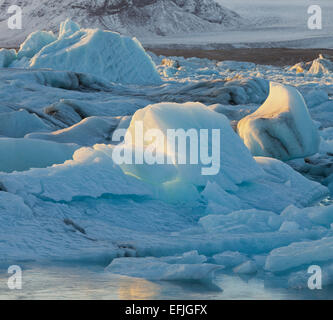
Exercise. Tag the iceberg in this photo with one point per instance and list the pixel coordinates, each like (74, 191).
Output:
(282, 127)
(321, 66)
(68, 28)
(234, 161)
(104, 54)
(34, 43)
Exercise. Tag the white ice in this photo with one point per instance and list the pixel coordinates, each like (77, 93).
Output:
(282, 127)
(154, 269)
(105, 54)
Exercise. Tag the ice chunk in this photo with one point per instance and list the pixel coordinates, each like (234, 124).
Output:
(68, 28)
(191, 257)
(282, 127)
(7, 57)
(230, 259)
(34, 43)
(321, 66)
(299, 254)
(104, 54)
(281, 187)
(91, 173)
(17, 124)
(87, 132)
(235, 162)
(289, 226)
(244, 221)
(175, 190)
(248, 267)
(300, 67)
(316, 98)
(155, 269)
(233, 113)
(236, 65)
(248, 90)
(310, 216)
(220, 201)
(10, 203)
(24, 154)
(300, 279)
(64, 113)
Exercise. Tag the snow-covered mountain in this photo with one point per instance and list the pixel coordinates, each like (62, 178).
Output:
(133, 17)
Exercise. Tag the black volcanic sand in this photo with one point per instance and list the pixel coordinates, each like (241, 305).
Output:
(268, 56)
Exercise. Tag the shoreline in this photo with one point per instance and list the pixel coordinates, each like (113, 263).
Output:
(266, 56)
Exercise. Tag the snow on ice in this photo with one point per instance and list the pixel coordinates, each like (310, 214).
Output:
(62, 197)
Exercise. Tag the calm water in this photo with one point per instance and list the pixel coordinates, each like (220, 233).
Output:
(92, 282)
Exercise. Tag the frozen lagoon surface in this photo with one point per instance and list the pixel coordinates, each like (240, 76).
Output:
(82, 226)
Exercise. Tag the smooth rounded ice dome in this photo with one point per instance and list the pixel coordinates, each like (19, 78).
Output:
(282, 127)
(232, 161)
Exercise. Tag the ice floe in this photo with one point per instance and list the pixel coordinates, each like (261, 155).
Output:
(24, 154)
(154, 269)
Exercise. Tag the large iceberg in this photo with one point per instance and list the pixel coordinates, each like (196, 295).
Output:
(105, 54)
(282, 127)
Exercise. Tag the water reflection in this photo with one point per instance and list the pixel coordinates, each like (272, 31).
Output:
(92, 282)
(137, 289)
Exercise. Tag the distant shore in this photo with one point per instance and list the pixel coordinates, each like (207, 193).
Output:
(267, 56)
